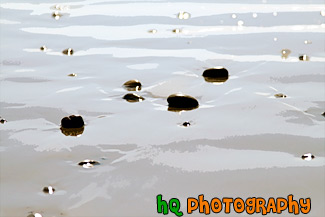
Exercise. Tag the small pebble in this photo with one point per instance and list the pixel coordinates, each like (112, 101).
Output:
(308, 157)
(176, 30)
(73, 121)
(186, 124)
(179, 102)
(88, 163)
(68, 51)
(280, 95)
(184, 15)
(2, 121)
(48, 190)
(153, 31)
(72, 75)
(132, 85)
(217, 74)
(132, 97)
(304, 58)
(56, 15)
(35, 215)
(43, 48)
(285, 53)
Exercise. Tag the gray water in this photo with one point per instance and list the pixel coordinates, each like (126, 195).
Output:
(242, 141)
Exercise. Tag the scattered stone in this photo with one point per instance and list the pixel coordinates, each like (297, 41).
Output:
(43, 48)
(177, 30)
(308, 157)
(280, 95)
(132, 85)
(73, 121)
(48, 190)
(56, 15)
(2, 121)
(304, 58)
(73, 75)
(186, 124)
(34, 215)
(153, 31)
(184, 15)
(179, 102)
(68, 51)
(216, 75)
(88, 163)
(132, 97)
(285, 53)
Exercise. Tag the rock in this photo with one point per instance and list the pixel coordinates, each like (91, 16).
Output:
(48, 190)
(280, 95)
(285, 53)
(186, 124)
(183, 15)
(2, 121)
(308, 157)
(72, 75)
(88, 163)
(218, 74)
(73, 121)
(323, 114)
(43, 48)
(72, 131)
(68, 51)
(304, 58)
(132, 85)
(35, 215)
(179, 102)
(56, 15)
(132, 97)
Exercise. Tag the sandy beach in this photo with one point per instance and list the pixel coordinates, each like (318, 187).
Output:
(246, 138)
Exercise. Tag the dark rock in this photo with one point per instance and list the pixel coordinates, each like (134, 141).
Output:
(308, 157)
(68, 51)
(280, 95)
(132, 85)
(2, 121)
(48, 190)
(179, 102)
(186, 124)
(72, 131)
(43, 48)
(323, 114)
(73, 121)
(132, 97)
(218, 74)
(304, 58)
(88, 163)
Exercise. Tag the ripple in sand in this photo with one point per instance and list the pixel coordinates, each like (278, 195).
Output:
(308, 157)
(285, 53)
(132, 85)
(88, 163)
(68, 51)
(180, 102)
(48, 190)
(216, 75)
(132, 97)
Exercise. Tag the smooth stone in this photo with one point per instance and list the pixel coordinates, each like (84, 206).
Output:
(48, 190)
(72, 131)
(132, 85)
(43, 48)
(88, 163)
(186, 124)
(308, 157)
(280, 95)
(72, 75)
(73, 121)
(304, 58)
(2, 121)
(68, 51)
(217, 74)
(179, 102)
(132, 97)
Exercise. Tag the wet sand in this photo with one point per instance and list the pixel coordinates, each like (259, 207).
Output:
(243, 140)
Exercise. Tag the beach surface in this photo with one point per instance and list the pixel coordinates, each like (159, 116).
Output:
(242, 141)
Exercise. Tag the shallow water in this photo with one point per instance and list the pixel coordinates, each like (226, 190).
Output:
(242, 142)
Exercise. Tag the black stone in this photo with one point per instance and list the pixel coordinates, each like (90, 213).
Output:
(218, 74)
(2, 121)
(186, 124)
(89, 162)
(132, 85)
(132, 97)
(179, 102)
(68, 51)
(280, 95)
(73, 121)
(323, 114)
(72, 131)
(46, 190)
